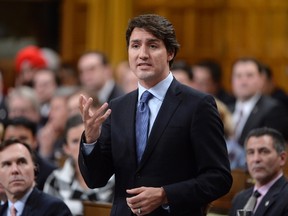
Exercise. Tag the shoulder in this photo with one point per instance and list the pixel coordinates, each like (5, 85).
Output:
(45, 199)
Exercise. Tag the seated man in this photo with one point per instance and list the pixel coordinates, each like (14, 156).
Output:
(265, 156)
(67, 183)
(17, 175)
(25, 130)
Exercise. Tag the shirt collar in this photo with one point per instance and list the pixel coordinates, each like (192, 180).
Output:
(159, 90)
(265, 188)
(20, 204)
(104, 93)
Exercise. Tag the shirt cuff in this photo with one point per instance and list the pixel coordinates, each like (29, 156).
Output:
(88, 148)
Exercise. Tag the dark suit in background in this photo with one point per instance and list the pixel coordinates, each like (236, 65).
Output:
(45, 169)
(274, 203)
(41, 204)
(185, 154)
(267, 112)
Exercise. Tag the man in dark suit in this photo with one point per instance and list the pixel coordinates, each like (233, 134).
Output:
(25, 130)
(184, 165)
(252, 109)
(96, 77)
(3, 107)
(265, 155)
(17, 174)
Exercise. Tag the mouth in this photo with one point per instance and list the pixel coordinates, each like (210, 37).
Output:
(257, 169)
(16, 181)
(144, 65)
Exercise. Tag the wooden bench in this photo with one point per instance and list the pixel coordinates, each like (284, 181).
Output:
(96, 208)
(241, 180)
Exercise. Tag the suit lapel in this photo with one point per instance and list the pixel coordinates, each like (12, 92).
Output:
(253, 117)
(168, 107)
(31, 203)
(270, 197)
(130, 108)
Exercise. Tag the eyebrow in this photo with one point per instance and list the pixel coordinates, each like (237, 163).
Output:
(148, 40)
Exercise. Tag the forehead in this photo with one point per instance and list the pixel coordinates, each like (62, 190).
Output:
(15, 130)
(259, 142)
(245, 66)
(140, 34)
(13, 152)
(89, 59)
(73, 130)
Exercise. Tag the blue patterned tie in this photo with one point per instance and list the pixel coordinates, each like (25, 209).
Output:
(142, 123)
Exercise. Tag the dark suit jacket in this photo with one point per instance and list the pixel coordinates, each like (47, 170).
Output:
(185, 154)
(267, 112)
(45, 168)
(41, 204)
(3, 111)
(116, 92)
(274, 203)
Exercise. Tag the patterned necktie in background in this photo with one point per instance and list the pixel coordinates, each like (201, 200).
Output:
(142, 123)
(251, 203)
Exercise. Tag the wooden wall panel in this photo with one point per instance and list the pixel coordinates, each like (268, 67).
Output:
(220, 29)
(225, 30)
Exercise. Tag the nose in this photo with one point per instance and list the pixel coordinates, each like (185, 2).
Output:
(256, 157)
(143, 53)
(14, 168)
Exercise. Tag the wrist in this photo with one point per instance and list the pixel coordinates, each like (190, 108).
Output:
(164, 197)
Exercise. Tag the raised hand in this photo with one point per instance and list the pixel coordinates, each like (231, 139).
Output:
(92, 120)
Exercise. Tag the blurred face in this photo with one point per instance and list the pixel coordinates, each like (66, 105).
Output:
(129, 81)
(44, 85)
(92, 72)
(58, 113)
(73, 140)
(18, 107)
(16, 171)
(148, 58)
(246, 80)
(182, 77)
(202, 80)
(263, 162)
(21, 133)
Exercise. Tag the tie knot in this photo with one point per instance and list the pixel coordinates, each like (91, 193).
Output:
(145, 97)
(13, 210)
(256, 194)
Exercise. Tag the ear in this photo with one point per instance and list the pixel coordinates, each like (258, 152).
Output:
(36, 170)
(66, 149)
(170, 56)
(283, 158)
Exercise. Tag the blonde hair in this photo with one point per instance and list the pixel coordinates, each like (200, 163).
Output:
(226, 117)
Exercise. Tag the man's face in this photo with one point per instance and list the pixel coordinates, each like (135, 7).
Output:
(18, 106)
(203, 81)
(73, 141)
(93, 73)
(181, 76)
(148, 57)
(44, 85)
(263, 162)
(21, 133)
(246, 80)
(16, 171)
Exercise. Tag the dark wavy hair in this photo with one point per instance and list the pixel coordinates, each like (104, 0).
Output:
(158, 26)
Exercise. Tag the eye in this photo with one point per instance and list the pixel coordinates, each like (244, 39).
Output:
(5, 164)
(22, 161)
(135, 46)
(153, 46)
(249, 152)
